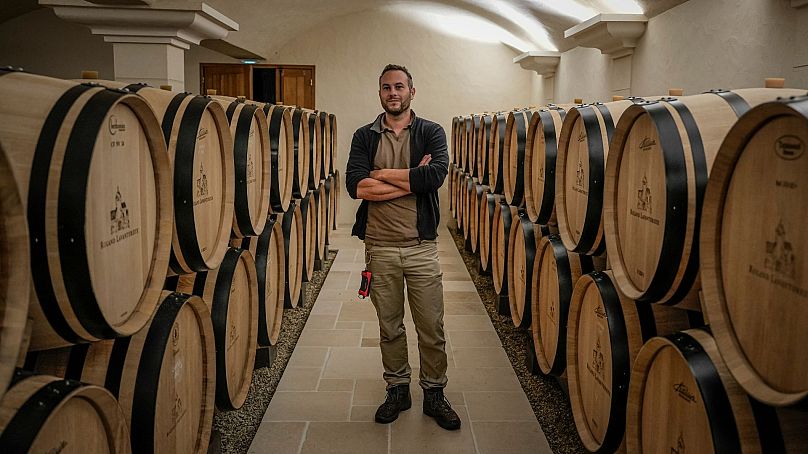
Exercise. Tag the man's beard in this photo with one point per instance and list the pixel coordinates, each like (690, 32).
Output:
(404, 104)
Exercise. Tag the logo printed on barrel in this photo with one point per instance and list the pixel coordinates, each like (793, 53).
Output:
(596, 365)
(600, 313)
(682, 390)
(120, 228)
(644, 196)
(680, 445)
(580, 178)
(789, 147)
(647, 143)
(780, 260)
(250, 168)
(581, 135)
(202, 187)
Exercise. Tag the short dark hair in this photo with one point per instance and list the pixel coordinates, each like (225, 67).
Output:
(392, 67)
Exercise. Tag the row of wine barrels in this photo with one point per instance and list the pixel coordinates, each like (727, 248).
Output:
(91, 168)
(251, 164)
(583, 149)
(282, 156)
(200, 147)
(682, 397)
(513, 156)
(164, 376)
(14, 269)
(604, 333)
(554, 276)
(268, 253)
(292, 224)
(655, 184)
(231, 294)
(753, 243)
(523, 239)
(541, 149)
(42, 413)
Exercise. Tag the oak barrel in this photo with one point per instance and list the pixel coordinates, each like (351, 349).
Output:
(513, 156)
(753, 240)
(541, 150)
(605, 331)
(268, 252)
(325, 146)
(487, 210)
(682, 397)
(334, 149)
(583, 150)
(163, 377)
(50, 415)
(308, 215)
(337, 195)
(524, 236)
(554, 276)
(477, 194)
(92, 172)
(483, 142)
(321, 203)
(504, 216)
(14, 272)
(292, 223)
(300, 134)
(315, 146)
(251, 164)
(231, 294)
(655, 182)
(495, 152)
(200, 147)
(282, 156)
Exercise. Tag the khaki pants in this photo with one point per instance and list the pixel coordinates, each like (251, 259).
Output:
(419, 267)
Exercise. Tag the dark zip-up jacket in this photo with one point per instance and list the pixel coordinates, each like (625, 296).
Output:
(426, 137)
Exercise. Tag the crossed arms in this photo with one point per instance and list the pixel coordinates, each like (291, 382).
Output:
(387, 184)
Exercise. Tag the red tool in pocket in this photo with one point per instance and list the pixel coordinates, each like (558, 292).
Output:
(364, 286)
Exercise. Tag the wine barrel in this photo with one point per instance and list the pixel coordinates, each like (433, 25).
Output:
(231, 294)
(524, 236)
(513, 156)
(163, 376)
(337, 195)
(583, 149)
(480, 190)
(321, 204)
(315, 144)
(330, 192)
(98, 207)
(554, 276)
(47, 414)
(495, 152)
(460, 190)
(655, 188)
(308, 220)
(251, 164)
(476, 126)
(302, 146)
(282, 156)
(334, 143)
(605, 331)
(468, 197)
(504, 215)
(483, 142)
(268, 251)
(325, 146)
(452, 177)
(467, 141)
(751, 231)
(455, 137)
(292, 223)
(682, 397)
(541, 149)
(200, 147)
(14, 279)
(487, 211)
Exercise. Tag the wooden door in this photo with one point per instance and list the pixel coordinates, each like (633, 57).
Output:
(227, 79)
(297, 87)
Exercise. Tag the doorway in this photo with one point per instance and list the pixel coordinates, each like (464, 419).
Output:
(278, 84)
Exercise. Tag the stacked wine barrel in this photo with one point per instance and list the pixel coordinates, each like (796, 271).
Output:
(653, 250)
(150, 241)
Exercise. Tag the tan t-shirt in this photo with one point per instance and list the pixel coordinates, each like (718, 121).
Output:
(392, 222)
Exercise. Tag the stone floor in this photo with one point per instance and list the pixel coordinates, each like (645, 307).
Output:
(330, 390)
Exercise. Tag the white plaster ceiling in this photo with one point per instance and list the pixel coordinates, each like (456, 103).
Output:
(524, 25)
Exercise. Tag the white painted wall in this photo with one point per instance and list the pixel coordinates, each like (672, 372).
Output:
(699, 45)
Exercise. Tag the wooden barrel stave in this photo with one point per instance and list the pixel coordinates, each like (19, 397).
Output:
(77, 294)
(308, 215)
(483, 142)
(282, 156)
(524, 236)
(474, 215)
(325, 146)
(315, 144)
(302, 147)
(47, 414)
(495, 153)
(513, 156)
(541, 150)
(321, 203)
(292, 223)
(486, 229)
(504, 215)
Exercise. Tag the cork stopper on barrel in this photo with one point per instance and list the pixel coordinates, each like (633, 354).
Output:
(617, 98)
(211, 92)
(775, 82)
(578, 101)
(89, 74)
(676, 92)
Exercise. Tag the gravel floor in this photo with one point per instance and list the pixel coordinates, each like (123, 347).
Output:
(238, 428)
(549, 401)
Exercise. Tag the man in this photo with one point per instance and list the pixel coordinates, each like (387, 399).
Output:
(396, 166)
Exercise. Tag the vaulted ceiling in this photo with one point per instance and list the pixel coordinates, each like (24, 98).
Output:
(522, 24)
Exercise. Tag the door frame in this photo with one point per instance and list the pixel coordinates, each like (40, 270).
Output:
(278, 79)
